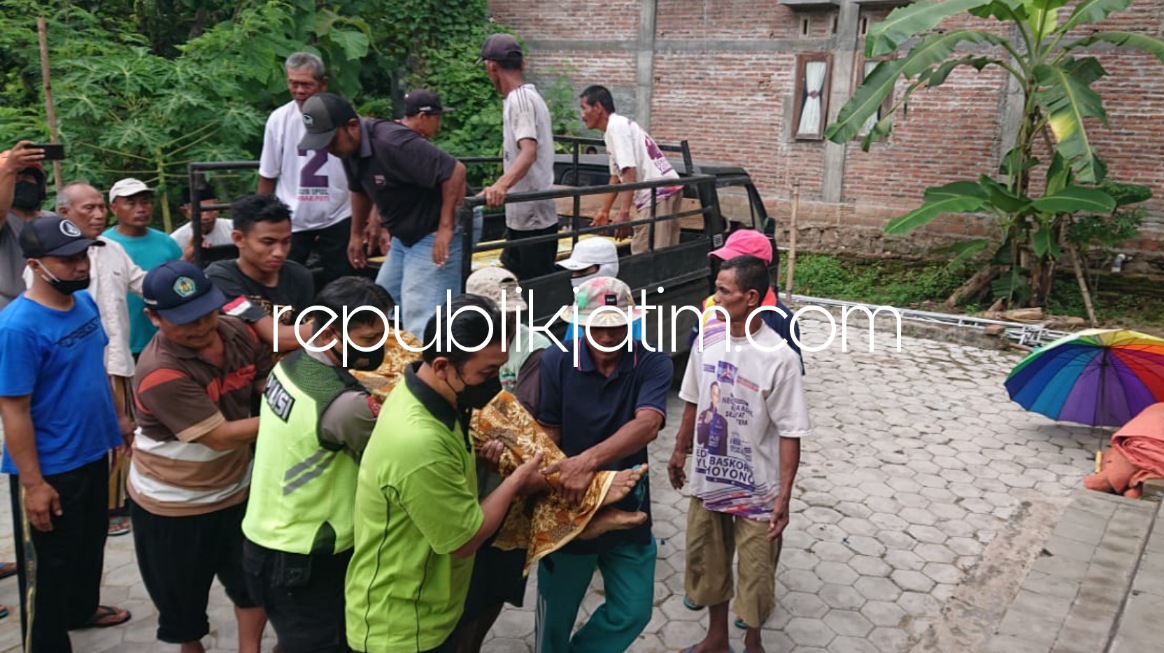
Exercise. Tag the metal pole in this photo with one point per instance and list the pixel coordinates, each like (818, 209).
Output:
(792, 240)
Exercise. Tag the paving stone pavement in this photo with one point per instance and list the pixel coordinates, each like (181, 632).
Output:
(917, 461)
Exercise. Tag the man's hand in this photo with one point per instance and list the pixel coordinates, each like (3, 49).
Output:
(529, 475)
(42, 503)
(576, 474)
(372, 234)
(601, 218)
(622, 217)
(677, 469)
(495, 195)
(356, 254)
(491, 452)
(21, 156)
(385, 241)
(440, 245)
(128, 428)
(779, 519)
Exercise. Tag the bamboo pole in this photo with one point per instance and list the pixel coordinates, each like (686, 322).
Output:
(50, 113)
(1082, 281)
(792, 241)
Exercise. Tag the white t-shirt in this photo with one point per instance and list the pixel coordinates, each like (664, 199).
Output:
(312, 183)
(112, 276)
(525, 115)
(217, 237)
(631, 147)
(737, 442)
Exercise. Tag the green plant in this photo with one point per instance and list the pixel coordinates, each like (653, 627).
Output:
(1059, 107)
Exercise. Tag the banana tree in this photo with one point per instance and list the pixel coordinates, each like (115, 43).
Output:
(1055, 77)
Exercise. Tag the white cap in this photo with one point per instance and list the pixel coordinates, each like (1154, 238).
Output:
(128, 187)
(591, 251)
(491, 281)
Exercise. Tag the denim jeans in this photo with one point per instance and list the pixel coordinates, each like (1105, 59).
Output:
(416, 283)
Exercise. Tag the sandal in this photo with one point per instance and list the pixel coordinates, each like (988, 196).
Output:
(692, 605)
(106, 617)
(119, 525)
(3, 611)
(8, 569)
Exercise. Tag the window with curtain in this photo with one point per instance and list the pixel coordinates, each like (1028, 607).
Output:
(813, 72)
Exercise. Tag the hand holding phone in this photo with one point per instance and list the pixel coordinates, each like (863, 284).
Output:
(52, 151)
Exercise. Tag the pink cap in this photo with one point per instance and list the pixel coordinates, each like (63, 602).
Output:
(745, 242)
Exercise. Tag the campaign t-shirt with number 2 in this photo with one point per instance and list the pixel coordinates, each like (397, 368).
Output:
(748, 395)
(311, 182)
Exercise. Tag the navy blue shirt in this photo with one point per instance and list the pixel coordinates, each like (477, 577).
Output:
(589, 408)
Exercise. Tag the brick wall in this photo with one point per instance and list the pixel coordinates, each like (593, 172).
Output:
(719, 83)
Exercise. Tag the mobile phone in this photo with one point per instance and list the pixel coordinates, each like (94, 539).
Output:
(52, 151)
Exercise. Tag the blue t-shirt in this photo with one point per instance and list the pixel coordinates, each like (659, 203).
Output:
(148, 252)
(589, 408)
(58, 358)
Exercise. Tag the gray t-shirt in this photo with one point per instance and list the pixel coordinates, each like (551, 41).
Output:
(12, 260)
(525, 115)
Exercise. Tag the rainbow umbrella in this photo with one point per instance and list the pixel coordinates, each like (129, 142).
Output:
(1099, 377)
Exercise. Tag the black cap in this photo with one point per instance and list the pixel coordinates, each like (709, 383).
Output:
(500, 47)
(423, 101)
(180, 292)
(322, 114)
(53, 235)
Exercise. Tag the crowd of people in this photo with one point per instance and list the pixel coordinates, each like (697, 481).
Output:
(143, 394)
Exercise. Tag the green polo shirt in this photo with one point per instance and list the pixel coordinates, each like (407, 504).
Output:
(416, 503)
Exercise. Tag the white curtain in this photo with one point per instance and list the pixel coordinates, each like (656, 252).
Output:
(868, 126)
(814, 77)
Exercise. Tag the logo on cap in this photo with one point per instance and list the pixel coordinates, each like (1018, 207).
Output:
(308, 121)
(70, 230)
(184, 287)
(611, 300)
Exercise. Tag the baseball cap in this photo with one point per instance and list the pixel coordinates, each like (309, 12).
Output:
(54, 235)
(591, 251)
(745, 242)
(594, 301)
(322, 114)
(490, 281)
(500, 47)
(180, 292)
(128, 187)
(423, 101)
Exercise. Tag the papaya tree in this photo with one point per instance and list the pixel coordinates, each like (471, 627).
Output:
(1032, 201)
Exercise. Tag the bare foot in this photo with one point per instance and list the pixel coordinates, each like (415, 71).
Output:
(624, 482)
(611, 519)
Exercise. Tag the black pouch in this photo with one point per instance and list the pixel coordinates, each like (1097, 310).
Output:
(291, 570)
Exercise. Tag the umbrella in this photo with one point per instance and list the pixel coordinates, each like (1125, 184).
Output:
(1099, 377)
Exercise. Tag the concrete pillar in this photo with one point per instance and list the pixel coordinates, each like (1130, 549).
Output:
(645, 63)
(842, 87)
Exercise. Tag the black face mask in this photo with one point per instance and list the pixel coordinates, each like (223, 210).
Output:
(365, 361)
(478, 396)
(27, 196)
(62, 286)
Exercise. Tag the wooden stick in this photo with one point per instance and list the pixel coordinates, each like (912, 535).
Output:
(1082, 281)
(792, 241)
(42, 32)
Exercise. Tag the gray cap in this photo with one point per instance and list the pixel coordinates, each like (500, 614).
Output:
(500, 47)
(322, 115)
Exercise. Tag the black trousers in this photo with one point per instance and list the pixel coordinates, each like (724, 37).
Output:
(529, 261)
(331, 243)
(302, 595)
(69, 559)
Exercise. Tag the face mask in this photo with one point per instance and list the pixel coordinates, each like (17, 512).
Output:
(27, 196)
(604, 270)
(478, 396)
(365, 361)
(61, 286)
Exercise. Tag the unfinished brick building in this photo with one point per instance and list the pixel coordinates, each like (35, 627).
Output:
(726, 75)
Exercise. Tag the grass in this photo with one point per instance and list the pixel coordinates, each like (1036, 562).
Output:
(1120, 301)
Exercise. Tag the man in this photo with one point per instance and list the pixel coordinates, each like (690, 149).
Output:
(22, 190)
(528, 149)
(313, 428)
(415, 186)
(262, 272)
(115, 277)
(418, 520)
(634, 157)
(591, 258)
(602, 413)
(216, 231)
(744, 512)
(311, 182)
(59, 425)
(132, 202)
(499, 576)
(191, 464)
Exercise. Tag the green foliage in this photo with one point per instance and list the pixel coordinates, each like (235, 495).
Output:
(893, 283)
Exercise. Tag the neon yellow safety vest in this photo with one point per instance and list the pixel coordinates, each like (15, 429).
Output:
(303, 491)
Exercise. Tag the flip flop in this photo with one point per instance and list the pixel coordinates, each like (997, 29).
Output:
(691, 648)
(742, 626)
(8, 569)
(119, 525)
(692, 605)
(3, 611)
(103, 613)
